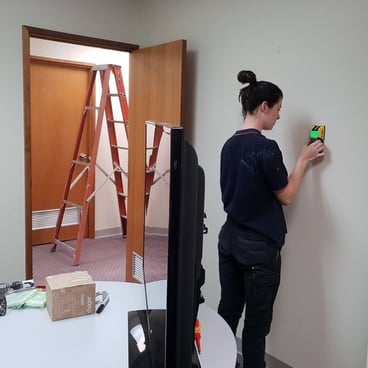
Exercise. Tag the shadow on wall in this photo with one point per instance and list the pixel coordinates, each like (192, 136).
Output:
(301, 306)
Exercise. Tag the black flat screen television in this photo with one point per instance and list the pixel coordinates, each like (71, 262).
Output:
(185, 272)
(169, 334)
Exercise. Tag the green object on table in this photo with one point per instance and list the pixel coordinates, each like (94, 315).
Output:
(31, 298)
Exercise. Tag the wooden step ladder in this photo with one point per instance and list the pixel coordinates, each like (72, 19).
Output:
(88, 164)
(152, 158)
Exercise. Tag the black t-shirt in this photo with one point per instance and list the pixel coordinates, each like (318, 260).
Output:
(252, 169)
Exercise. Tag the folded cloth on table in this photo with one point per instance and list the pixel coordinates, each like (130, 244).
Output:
(34, 298)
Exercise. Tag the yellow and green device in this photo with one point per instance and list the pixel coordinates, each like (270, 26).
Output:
(317, 132)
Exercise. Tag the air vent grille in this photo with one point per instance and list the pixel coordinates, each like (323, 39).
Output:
(46, 219)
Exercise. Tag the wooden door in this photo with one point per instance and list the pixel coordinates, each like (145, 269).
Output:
(155, 93)
(58, 92)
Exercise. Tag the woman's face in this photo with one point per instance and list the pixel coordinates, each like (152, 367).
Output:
(272, 115)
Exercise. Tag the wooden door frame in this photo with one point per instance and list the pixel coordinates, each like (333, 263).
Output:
(27, 33)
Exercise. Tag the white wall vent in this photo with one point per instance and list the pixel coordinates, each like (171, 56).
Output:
(46, 219)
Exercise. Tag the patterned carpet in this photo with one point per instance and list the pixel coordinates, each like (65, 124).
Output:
(103, 258)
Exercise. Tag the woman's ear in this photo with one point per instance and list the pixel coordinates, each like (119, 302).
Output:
(264, 107)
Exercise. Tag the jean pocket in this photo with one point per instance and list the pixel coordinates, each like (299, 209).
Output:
(253, 252)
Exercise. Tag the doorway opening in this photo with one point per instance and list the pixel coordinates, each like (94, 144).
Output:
(36, 41)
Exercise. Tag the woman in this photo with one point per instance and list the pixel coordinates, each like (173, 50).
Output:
(255, 185)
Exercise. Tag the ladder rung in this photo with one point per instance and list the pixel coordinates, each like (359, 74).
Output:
(150, 169)
(122, 195)
(119, 147)
(117, 121)
(91, 108)
(72, 204)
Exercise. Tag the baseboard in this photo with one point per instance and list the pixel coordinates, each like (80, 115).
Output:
(117, 231)
(271, 361)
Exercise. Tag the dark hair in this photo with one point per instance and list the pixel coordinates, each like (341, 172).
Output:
(256, 92)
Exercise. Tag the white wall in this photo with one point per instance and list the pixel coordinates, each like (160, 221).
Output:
(316, 51)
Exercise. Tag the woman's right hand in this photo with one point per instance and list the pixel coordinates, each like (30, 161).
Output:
(312, 151)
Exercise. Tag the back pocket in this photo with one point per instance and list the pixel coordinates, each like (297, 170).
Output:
(253, 252)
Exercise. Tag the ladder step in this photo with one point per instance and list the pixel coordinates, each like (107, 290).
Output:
(88, 108)
(117, 121)
(123, 195)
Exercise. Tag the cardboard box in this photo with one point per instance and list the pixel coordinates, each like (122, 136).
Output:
(70, 295)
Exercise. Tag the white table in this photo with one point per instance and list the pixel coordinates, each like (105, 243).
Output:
(30, 339)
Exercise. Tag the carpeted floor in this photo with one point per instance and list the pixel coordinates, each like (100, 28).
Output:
(103, 258)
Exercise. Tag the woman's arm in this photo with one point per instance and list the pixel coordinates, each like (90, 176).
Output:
(308, 154)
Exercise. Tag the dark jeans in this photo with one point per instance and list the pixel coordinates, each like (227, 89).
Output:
(249, 275)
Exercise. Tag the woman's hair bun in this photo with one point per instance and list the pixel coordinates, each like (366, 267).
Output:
(247, 76)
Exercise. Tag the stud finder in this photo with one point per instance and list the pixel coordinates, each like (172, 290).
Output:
(317, 132)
